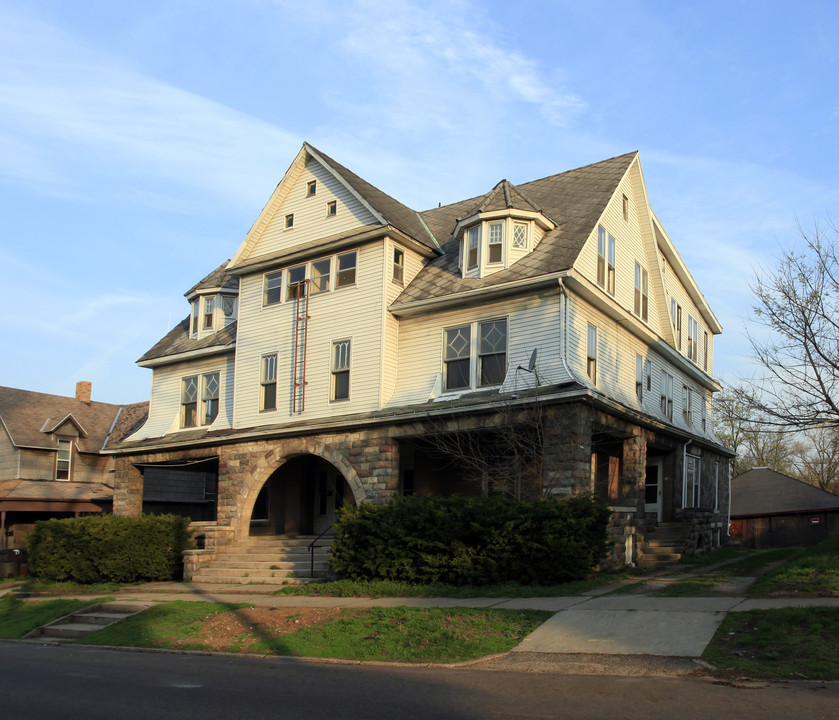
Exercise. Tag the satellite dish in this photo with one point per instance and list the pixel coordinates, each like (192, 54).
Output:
(531, 366)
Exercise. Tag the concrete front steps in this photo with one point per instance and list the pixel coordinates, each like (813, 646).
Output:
(87, 620)
(663, 546)
(268, 560)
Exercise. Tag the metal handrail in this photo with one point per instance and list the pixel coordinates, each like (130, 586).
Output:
(311, 548)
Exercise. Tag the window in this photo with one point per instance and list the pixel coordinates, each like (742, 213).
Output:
(693, 339)
(473, 241)
(492, 352)
(289, 221)
(63, 459)
(332, 208)
(667, 395)
(639, 378)
(679, 327)
(189, 401)
(321, 272)
(489, 355)
(195, 309)
(625, 208)
(456, 357)
(648, 375)
(704, 410)
(209, 303)
(228, 305)
(687, 405)
(268, 383)
(693, 481)
(496, 242)
(610, 269)
(311, 188)
(346, 269)
(295, 282)
(520, 235)
(209, 398)
(705, 352)
(601, 256)
(341, 370)
(398, 266)
(272, 288)
(591, 353)
(641, 292)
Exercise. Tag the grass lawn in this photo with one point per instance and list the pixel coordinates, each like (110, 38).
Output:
(388, 588)
(400, 634)
(792, 643)
(813, 572)
(18, 617)
(43, 587)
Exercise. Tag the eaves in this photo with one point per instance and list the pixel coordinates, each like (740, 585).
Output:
(189, 355)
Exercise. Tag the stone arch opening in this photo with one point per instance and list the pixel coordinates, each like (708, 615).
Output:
(300, 497)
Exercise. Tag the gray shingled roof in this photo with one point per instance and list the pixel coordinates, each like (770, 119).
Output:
(574, 200)
(394, 212)
(178, 341)
(218, 279)
(53, 490)
(761, 492)
(25, 413)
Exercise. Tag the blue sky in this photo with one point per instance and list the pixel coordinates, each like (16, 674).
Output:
(139, 141)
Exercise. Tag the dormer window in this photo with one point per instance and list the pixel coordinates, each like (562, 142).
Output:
(209, 304)
(474, 245)
(194, 322)
(520, 235)
(64, 459)
(496, 241)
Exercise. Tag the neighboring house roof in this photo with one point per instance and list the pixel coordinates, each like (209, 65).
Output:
(177, 342)
(30, 418)
(574, 200)
(761, 491)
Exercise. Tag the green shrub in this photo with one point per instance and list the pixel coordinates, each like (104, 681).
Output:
(471, 541)
(109, 548)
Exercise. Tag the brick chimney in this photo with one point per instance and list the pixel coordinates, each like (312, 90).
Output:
(83, 389)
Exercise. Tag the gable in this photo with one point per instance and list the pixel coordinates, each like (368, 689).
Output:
(301, 211)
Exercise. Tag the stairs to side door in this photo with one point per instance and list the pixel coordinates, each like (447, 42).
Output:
(664, 545)
(268, 561)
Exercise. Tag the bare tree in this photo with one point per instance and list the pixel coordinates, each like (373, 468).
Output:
(820, 462)
(798, 303)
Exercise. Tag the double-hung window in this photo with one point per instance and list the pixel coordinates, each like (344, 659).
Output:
(194, 325)
(268, 383)
(473, 244)
(639, 378)
(321, 272)
(64, 459)
(398, 266)
(641, 291)
(591, 353)
(693, 481)
(693, 339)
(345, 274)
(272, 288)
(341, 370)
(209, 397)
(667, 395)
(496, 242)
(209, 305)
(295, 282)
(648, 375)
(610, 267)
(601, 256)
(687, 405)
(705, 351)
(475, 354)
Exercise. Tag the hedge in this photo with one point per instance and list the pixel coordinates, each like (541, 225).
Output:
(109, 548)
(471, 541)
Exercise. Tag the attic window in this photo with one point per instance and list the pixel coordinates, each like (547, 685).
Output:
(520, 235)
(496, 241)
(289, 221)
(625, 208)
(64, 459)
(331, 208)
(311, 188)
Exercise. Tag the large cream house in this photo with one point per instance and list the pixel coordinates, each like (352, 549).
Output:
(351, 343)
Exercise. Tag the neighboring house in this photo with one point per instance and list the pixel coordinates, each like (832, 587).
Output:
(770, 509)
(351, 338)
(51, 461)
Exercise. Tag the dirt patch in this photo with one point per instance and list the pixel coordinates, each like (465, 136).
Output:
(241, 628)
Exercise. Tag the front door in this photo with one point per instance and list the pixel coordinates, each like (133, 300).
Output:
(328, 497)
(653, 488)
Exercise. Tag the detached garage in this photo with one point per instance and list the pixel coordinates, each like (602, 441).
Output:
(770, 509)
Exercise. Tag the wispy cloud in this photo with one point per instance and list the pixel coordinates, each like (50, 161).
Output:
(66, 110)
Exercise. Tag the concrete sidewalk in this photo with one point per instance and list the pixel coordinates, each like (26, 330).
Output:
(594, 624)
